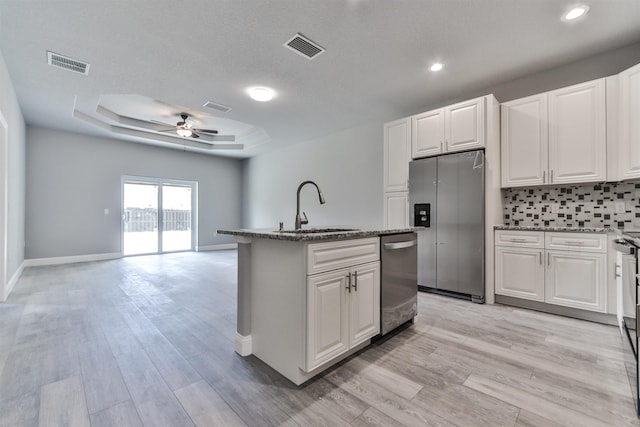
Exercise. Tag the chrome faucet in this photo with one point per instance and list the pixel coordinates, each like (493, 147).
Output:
(305, 220)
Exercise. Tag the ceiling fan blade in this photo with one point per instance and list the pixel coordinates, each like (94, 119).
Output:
(212, 131)
(167, 130)
(194, 135)
(161, 123)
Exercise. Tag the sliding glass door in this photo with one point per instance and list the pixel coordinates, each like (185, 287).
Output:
(158, 215)
(140, 207)
(176, 218)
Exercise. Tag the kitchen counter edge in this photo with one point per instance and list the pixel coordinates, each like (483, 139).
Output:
(277, 235)
(557, 229)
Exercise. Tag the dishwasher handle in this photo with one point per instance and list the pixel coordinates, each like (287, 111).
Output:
(400, 245)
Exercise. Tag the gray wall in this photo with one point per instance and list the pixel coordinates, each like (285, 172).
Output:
(347, 167)
(72, 178)
(590, 68)
(16, 173)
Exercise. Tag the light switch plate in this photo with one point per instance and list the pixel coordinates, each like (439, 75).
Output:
(636, 194)
(620, 207)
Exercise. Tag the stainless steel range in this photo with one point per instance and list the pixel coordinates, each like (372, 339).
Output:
(628, 246)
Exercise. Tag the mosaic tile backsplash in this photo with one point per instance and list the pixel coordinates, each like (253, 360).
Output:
(580, 205)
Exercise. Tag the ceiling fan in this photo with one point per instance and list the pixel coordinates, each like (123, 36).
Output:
(181, 133)
(186, 129)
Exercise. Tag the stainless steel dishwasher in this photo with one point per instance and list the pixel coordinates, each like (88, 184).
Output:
(399, 280)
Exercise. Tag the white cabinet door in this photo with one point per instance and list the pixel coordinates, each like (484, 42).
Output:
(397, 154)
(524, 141)
(464, 125)
(577, 133)
(576, 279)
(427, 134)
(364, 307)
(327, 317)
(396, 210)
(520, 272)
(629, 131)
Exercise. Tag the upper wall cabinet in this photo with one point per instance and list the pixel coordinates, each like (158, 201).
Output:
(629, 129)
(525, 141)
(577, 134)
(397, 148)
(454, 128)
(557, 137)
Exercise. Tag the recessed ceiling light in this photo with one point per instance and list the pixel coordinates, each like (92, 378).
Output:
(575, 13)
(261, 94)
(436, 67)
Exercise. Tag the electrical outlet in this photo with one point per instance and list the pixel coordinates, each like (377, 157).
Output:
(636, 194)
(106, 211)
(555, 208)
(620, 207)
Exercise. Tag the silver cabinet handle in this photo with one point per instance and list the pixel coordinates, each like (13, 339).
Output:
(349, 282)
(544, 177)
(573, 243)
(518, 240)
(551, 177)
(355, 282)
(548, 259)
(441, 149)
(400, 245)
(540, 257)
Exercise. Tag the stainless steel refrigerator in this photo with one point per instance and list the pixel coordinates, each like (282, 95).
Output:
(446, 196)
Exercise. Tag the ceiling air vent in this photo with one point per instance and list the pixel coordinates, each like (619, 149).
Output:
(67, 63)
(216, 106)
(303, 46)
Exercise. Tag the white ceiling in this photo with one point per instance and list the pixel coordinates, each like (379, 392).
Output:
(180, 54)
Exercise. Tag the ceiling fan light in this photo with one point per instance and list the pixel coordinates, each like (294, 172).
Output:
(184, 132)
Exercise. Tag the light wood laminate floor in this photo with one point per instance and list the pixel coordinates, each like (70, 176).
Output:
(148, 341)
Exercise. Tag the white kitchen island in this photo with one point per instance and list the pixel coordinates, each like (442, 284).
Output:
(307, 300)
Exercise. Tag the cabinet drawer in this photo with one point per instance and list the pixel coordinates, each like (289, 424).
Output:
(329, 256)
(581, 242)
(527, 239)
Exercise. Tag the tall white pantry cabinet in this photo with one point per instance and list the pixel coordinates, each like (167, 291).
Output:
(397, 154)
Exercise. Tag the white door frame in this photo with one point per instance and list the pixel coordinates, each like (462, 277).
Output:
(4, 206)
(160, 182)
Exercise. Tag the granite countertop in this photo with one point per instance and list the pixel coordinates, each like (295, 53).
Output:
(556, 229)
(291, 235)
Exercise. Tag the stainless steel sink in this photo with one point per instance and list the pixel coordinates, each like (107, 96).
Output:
(318, 230)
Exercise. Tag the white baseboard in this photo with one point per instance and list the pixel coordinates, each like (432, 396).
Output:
(12, 282)
(222, 247)
(243, 345)
(35, 262)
